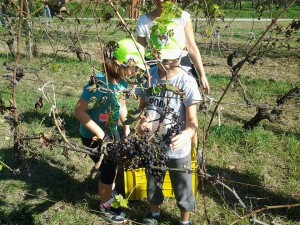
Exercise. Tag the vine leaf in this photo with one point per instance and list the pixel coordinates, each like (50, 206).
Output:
(156, 90)
(230, 58)
(46, 139)
(39, 103)
(119, 201)
(133, 115)
(168, 87)
(55, 67)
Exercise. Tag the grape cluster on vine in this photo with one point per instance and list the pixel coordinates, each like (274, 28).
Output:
(136, 151)
(175, 129)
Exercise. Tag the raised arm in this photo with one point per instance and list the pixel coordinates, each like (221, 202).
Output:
(123, 117)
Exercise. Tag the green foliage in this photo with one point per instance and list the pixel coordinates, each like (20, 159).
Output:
(106, 12)
(265, 9)
(119, 201)
(213, 11)
(156, 90)
(55, 67)
(171, 11)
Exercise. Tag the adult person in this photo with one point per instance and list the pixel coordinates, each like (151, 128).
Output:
(58, 7)
(134, 9)
(99, 122)
(2, 19)
(143, 29)
(47, 12)
(164, 109)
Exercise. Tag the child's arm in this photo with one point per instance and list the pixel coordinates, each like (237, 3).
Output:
(85, 119)
(144, 124)
(123, 116)
(180, 140)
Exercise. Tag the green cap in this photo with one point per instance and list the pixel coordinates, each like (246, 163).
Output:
(169, 40)
(127, 51)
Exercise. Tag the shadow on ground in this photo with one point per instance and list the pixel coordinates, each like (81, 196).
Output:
(46, 176)
(71, 123)
(60, 186)
(260, 196)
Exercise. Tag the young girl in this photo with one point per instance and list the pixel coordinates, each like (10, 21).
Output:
(99, 121)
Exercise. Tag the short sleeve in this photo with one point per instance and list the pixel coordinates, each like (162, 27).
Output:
(86, 94)
(140, 27)
(192, 92)
(185, 17)
(124, 85)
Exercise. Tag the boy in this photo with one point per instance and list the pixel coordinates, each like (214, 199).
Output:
(100, 122)
(160, 110)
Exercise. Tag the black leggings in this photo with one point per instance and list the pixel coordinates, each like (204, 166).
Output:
(108, 168)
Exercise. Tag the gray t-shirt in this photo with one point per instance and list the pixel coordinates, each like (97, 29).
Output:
(158, 102)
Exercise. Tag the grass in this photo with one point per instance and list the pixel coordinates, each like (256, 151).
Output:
(247, 11)
(262, 164)
(229, 11)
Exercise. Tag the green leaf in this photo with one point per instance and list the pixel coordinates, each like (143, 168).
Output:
(156, 90)
(124, 203)
(130, 120)
(171, 11)
(115, 205)
(119, 201)
(55, 67)
(94, 103)
(1, 167)
(119, 198)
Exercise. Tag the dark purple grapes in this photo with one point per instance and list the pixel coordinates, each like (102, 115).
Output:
(175, 129)
(136, 152)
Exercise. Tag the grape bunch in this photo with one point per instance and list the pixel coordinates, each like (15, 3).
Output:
(136, 151)
(175, 129)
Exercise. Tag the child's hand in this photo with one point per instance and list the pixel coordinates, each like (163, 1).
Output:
(105, 139)
(145, 125)
(179, 141)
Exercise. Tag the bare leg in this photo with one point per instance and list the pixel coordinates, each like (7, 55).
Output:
(195, 140)
(184, 216)
(104, 191)
(154, 208)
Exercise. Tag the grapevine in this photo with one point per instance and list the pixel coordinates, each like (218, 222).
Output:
(136, 151)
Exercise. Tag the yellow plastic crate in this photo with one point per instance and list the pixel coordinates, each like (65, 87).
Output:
(135, 182)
